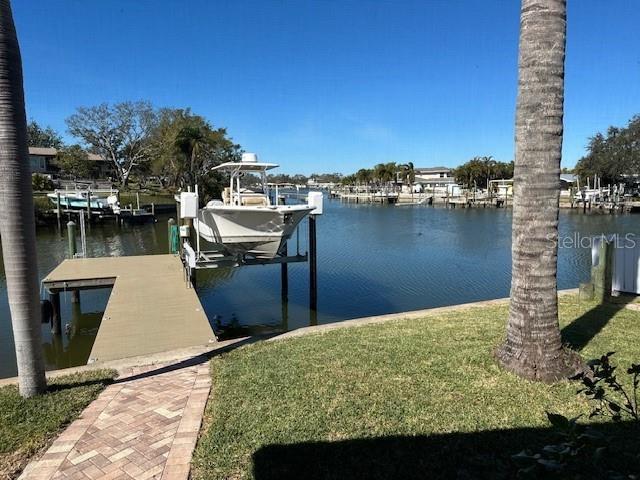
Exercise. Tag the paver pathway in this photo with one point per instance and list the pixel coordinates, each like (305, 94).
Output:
(145, 426)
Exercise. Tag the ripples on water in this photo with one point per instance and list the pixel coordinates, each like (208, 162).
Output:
(371, 260)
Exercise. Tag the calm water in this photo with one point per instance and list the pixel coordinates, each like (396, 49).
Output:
(371, 260)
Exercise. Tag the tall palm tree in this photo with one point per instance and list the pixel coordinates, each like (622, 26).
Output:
(533, 347)
(17, 219)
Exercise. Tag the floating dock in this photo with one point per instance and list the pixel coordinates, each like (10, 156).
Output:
(151, 308)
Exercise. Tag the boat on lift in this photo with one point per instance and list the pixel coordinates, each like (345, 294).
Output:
(78, 199)
(246, 222)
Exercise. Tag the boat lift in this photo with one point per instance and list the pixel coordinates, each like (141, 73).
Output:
(198, 259)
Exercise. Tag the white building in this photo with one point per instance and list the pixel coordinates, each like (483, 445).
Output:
(437, 179)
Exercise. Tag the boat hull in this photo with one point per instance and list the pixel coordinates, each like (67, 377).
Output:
(255, 231)
(78, 203)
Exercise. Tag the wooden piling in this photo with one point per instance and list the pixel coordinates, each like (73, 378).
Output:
(75, 296)
(313, 277)
(58, 212)
(170, 223)
(56, 318)
(89, 205)
(284, 288)
(71, 235)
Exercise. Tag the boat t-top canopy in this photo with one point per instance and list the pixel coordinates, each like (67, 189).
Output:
(246, 166)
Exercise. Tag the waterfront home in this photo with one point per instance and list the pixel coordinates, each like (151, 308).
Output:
(437, 179)
(44, 162)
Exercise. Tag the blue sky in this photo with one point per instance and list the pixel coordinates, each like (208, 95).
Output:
(329, 85)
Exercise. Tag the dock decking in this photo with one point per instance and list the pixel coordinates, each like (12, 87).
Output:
(150, 309)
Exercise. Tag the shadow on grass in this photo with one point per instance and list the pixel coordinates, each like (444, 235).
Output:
(582, 330)
(478, 455)
(58, 387)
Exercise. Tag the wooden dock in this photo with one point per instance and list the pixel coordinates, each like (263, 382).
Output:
(151, 309)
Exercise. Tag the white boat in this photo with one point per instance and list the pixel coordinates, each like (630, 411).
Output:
(245, 222)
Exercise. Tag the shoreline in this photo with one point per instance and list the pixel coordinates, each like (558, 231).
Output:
(122, 366)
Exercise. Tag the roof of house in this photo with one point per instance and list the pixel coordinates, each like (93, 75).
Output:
(432, 169)
(568, 177)
(424, 180)
(44, 151)
(52, 152)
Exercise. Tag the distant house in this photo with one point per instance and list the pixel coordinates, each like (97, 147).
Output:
(434, 177)
(43, 161)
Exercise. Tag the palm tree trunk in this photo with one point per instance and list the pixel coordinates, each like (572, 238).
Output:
(17, 218)
(533, 347)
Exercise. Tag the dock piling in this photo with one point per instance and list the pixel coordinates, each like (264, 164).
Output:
(313, 277)
(170, 224)
(89, 205)
(56, 320)
(58, 212)
(71, 234)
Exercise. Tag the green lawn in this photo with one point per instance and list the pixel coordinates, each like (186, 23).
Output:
(28, 425)
(404, 399)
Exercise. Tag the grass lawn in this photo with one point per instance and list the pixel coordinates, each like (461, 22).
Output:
(29, 425)
(404, 399)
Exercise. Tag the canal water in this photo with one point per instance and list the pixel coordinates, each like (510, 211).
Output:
(372, 260)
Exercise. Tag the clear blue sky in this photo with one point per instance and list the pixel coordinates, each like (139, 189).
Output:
(329, 85)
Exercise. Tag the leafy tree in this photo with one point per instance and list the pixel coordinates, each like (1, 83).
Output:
(364, 176)
(186, 146)
(297, 179)
(533, 346)
(348, 180)
(119, 132)
(613, 155)
(42, 137)
(408, 173)
(327, 177)
(479, 170)
(385, 172)
(40, 183)
(17, 216)
(74, 162)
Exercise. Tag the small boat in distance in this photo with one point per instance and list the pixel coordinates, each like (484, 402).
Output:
(77, 200)
(244, 222)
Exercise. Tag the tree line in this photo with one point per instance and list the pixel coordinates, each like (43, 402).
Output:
(614, 156)
(175, 145)
(479, 170)
(382, 174)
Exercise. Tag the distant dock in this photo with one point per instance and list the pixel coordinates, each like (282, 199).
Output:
(151, 309)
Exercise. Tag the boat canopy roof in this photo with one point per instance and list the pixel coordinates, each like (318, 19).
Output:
(246, 166)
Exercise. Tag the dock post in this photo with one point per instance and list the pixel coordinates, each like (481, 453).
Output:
(170, 223)
(56, 320)
(138, 200)
(193, 278)
(313, 277)
(153, 210)
(75, 296)
(89, 205)
(284, 288)
(71, 234)
(58, 212)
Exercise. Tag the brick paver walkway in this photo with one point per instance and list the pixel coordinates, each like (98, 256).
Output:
(145, 426)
